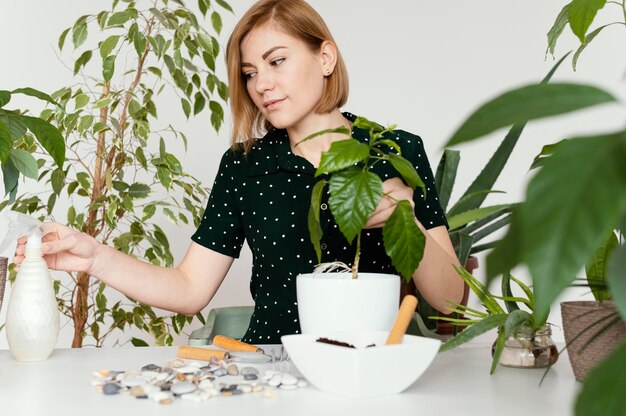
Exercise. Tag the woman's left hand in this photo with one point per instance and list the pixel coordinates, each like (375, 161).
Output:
(393, 190)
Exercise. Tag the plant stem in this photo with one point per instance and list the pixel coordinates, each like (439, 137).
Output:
(357, 257)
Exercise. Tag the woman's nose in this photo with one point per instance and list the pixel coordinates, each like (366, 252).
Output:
(264, 82)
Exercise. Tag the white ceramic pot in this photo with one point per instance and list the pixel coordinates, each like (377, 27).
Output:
(336, 302)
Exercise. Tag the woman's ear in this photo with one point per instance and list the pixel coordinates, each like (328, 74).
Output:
(328, 55)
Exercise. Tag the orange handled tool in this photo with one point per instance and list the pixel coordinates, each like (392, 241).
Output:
(204, 354)
(234, 345)
(407, 308)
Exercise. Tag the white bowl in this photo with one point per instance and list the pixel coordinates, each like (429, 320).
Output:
(360, 372)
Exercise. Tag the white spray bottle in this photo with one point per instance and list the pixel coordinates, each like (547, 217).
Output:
(32, 322)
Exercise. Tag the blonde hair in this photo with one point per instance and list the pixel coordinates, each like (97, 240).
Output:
(298, 19)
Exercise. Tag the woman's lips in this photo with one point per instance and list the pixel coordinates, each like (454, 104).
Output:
(272, 104)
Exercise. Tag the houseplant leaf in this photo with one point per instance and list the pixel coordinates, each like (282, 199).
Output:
(471, 332)
(528, 103)
(556, 30)
(580, 15)
(354, 195)
(342, 154)
(560, 225)
(446, 175)
(603, 389)
(596, 267)
(49, 137)
(464, 218)
(404, 242)
(616, 280)
(408, 172)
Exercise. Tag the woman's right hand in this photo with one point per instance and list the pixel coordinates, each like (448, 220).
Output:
(63, 248)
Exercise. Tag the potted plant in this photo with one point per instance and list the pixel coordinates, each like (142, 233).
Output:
(363, 300)
(523, 341)
(121, 152)
(576, 198)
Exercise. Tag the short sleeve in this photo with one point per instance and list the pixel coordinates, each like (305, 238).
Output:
(427, 210)
(221, 227)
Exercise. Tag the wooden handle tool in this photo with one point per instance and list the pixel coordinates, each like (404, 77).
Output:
(234, 345)
(407, 308)
(198, 353)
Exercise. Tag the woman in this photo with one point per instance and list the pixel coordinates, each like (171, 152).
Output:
(287, 78)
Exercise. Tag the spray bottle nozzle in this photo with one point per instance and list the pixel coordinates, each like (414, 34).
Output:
(19, 225)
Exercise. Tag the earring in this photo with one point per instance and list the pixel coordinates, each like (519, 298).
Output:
(328, 72)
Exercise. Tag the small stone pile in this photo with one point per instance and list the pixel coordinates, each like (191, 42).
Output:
(194, 381)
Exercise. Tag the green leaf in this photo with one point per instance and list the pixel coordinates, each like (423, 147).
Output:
(5, 97)
(588, 39)
(139, 190)
(186, 106)
(139, 41)
(79, 34)
(616, 281)
(446, 175)
(464, 218)
(216, 21)
(10, 176)
(556, 30)
(108, 68)
(603, 388)
(37, 94)
(315, 229)
(365, 124)
(199, 103)
(6, 144)
(528, 103)
(597, 266)
(57, 180)
(404, 241)
(354, 195)
(471, 332)
(122, 17)
(24, 162)
(62, 38)
(108, 45)
(81, 100)
(82, 61)
(203, 6)
(84, 123)
(148, 211)
(16, 125)
(408, 172)
(217, 114)
(138, 342)
(497, 351)
(581, 14)
(224, 5)
(49, 137)
(572, 203)
(205, 42)
(341, 155)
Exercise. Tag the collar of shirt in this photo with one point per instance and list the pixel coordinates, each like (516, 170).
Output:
(273, 153)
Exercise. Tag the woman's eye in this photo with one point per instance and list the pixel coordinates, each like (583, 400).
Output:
(249, 75)
(278, 61)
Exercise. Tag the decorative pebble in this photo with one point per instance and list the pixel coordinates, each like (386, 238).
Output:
(214, 360)
(205, 385)
(245, 388)
(223, 364)
(188, 369)
(134, 381)
(302, 383)
(220, 372)
(111, 388)
(250, 377)
(288, 387)
(183, 387)
(151, 367)
(233, 370)
(275, 380)
(288, 379)
(249, 370)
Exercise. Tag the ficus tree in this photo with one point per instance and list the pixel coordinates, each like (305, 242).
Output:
(123, 176)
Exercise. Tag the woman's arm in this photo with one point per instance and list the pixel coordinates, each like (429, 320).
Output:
(185, 289)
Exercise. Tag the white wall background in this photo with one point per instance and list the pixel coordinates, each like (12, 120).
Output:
(422, 65)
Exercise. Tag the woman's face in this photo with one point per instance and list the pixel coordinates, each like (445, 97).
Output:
(283, 76)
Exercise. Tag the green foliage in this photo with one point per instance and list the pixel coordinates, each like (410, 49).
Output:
(355, 193)
(509, 321)
(124, 177)
(16, 131)
(576, 199)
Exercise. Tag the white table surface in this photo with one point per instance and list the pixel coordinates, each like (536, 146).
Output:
(457, 383)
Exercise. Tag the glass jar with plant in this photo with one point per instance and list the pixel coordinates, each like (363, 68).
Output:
(523, 340)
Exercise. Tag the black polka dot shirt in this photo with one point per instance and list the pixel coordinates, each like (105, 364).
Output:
(264, 197)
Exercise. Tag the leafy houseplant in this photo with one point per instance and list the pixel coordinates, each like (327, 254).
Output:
(354, 194)
(118, 143)
(515, 325)
(576, 198)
